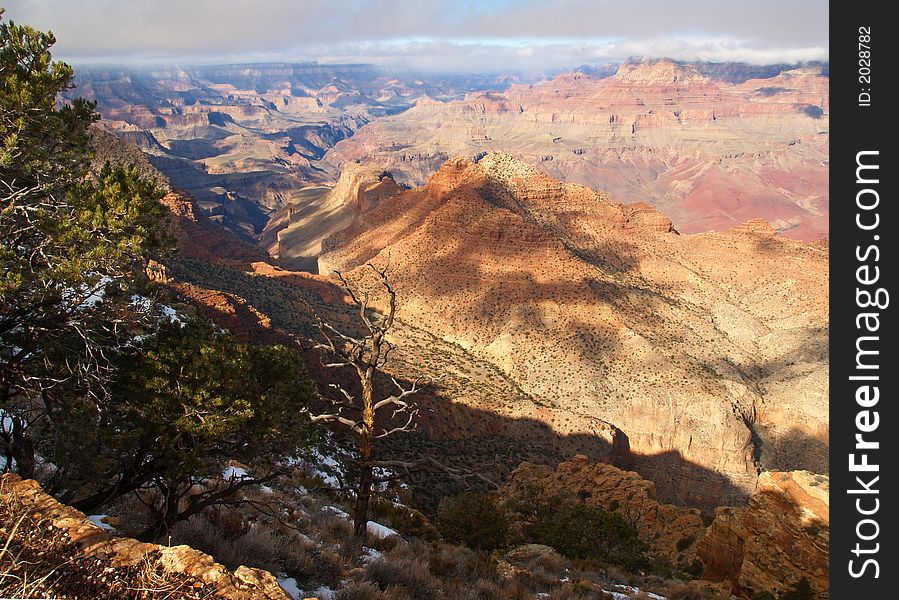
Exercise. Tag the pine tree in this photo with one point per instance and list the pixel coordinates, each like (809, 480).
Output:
(71, 242)
(185, 401)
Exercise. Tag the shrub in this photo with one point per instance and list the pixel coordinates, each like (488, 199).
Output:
(259, 545)
(409, 574)
(360, 590)
(448, 561)
(695, 568)
(403, 519)
(763, 596)
(801, 591)
(685, 543)
(474, 520)
(660, 567)
(574, 592)
(253, 547)
(582, 532)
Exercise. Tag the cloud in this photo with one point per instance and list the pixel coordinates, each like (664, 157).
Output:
(441, 34)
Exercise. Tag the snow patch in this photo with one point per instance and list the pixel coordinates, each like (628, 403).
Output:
(370, 554)
(332, 472)
(168, 313)
(289, 585)
(627, 590)
(322, 593)
(336, 511)
(98, 521)
(375, 530)
(95, 295)
(234, 473)
(379, 531)
(317, 463)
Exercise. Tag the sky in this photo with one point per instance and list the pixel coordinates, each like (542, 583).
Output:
(435, 35)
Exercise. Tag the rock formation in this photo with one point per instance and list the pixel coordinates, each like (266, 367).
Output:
(245, 140)
(779, 539)
(97, 563)
(670, 531)
(680, 356)
(708, 153)
(295, 233)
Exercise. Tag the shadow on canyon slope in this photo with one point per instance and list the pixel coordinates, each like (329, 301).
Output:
(462, 436)
(481, 441)
(793, 450)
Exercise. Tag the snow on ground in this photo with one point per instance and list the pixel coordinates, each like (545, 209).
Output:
(625, 592)
(370, 554)
(168, 313)
(337, 511)
(94, 295)
(379, 531)
(375, 530)
(321, 463)
(234, 473)
(289, 585)
(98, 521)
(322, 593)
(6, 421)
(332, 472)
(6, 426)
(328, 461)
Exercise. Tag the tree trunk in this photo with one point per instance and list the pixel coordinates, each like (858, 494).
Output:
(126, 484)
(366, 443)
(166, 517)
(360, 520)
(22, 448)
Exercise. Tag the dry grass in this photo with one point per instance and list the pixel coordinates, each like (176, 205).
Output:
(410, 575)
(360, 590)
(268, 546)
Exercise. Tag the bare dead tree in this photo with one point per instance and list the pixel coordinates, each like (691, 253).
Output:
(636, 508)
(366, 355)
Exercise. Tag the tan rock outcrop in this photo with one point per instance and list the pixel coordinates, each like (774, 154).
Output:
(678, 356)
(780, 538)
(94, 549)
(308, 224)
(670, 531)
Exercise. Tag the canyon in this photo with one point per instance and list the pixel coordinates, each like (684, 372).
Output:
(247, 139)
(667, 351)
(558, 321)
(708, 152)
(711, 146)
(656, 306)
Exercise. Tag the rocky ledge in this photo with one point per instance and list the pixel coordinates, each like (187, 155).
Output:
(83, 560)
